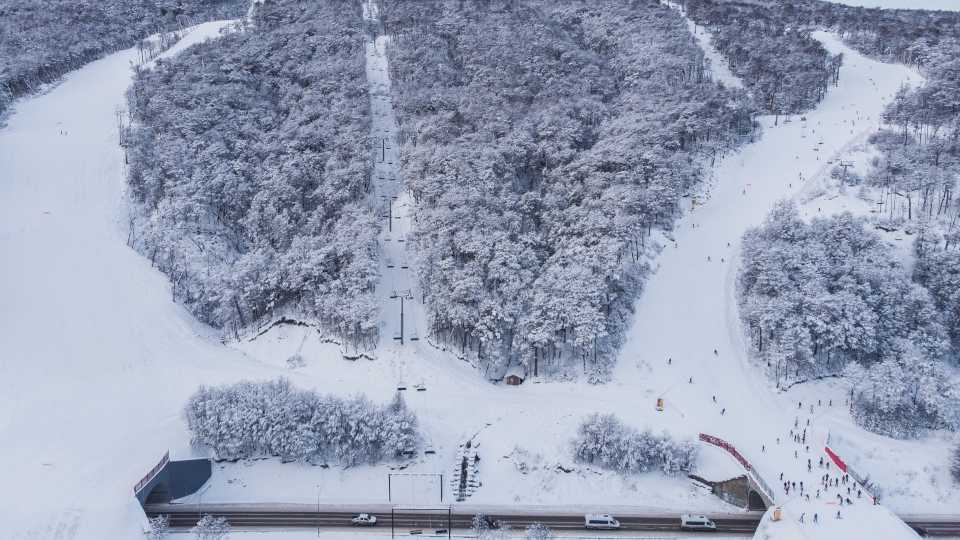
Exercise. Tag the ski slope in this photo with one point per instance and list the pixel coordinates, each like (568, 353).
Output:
(97, 361)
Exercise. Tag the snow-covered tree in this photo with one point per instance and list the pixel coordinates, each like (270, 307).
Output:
(158, 527)
(955, 464)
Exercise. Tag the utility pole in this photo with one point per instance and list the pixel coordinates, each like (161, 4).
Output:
(390, 200)
(845, 165)
(401, 297)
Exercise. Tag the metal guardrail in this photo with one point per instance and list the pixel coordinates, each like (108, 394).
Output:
(153, 473)
(732, 450)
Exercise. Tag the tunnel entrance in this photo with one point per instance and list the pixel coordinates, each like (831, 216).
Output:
(755, 501)
(170, 480)
(159, 494)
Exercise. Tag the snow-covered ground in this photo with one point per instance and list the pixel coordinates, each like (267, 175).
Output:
(942, 5)
(97, 360)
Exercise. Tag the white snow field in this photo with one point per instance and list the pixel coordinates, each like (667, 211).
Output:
(98, 361)
(941, 5)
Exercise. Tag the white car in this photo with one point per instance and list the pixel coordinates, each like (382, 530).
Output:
(364, 520)
(690, 522)
(600, 521)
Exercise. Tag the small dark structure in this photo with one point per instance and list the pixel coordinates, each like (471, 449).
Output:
(515, 376)
(170, 480)
(738, 491)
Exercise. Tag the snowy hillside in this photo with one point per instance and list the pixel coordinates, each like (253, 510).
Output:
(98, 357)
(97, 361)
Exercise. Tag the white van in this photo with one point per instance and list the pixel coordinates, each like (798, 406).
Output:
(690, 522)
(600, 521)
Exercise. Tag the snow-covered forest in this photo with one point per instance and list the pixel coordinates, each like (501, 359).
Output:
(606, 441)
(776, 58)
(543, 143)
(578, 189)
(273, 418)
(248, 164)
(40, 40)
(829, 297)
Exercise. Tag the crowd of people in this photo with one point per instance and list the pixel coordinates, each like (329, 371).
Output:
(833, 486)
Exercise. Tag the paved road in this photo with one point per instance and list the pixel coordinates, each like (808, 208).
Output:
(186, 515)
(305, 515)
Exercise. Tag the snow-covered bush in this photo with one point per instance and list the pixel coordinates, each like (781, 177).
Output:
(538, 531)
(248, 419)
(604, 440)
(249, 169)
(543, 143)
(211, 528)
(40, 40)
(486, 528)
(158, 527)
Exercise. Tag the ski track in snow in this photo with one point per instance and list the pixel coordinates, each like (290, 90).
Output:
(98, 361)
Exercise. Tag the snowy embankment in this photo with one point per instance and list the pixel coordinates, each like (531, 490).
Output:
(96, 359)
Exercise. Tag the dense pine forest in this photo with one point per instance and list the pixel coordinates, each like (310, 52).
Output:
(544, 142)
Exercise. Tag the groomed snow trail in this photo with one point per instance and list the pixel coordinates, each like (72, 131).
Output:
(397, 271)
(96, 359)
(687, 333)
